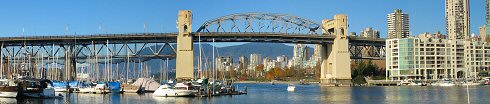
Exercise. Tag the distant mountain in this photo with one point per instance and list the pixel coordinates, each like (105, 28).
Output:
(271, 50)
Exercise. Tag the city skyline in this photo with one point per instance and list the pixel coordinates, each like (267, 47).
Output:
(93, 17)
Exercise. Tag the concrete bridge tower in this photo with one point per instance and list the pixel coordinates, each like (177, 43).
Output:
(185, 49)
(335, 68)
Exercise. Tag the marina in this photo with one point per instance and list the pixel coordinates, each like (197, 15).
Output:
(310, 94)
(245, 52)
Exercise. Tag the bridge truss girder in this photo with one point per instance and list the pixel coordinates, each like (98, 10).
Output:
(363, 50)
(261, 22)
(85, 52)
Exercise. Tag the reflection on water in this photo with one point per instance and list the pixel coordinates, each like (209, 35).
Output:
(304, 94)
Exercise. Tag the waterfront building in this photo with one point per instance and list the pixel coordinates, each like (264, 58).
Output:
(300, 56)
(433, 57)
(458, 19)
(269, 63)
(483, 34)
(486, 27)
(315, 59)
(370, 33)
(224, 63)
(255, 60)
(398, 24)
(282, 61)
(242, 62)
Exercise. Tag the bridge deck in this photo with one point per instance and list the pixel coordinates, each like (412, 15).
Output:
(172, 38)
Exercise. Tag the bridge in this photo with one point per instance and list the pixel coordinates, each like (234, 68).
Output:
(244, 27)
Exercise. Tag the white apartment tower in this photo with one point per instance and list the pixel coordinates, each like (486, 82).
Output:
(398, 24)
(458, 19)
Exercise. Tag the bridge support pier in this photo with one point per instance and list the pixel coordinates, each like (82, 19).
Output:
(185, 48)
(335, 68)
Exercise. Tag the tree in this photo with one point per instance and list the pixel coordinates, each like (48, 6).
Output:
(290, 72)
(232, 74)
(363, 69)
(259, 69)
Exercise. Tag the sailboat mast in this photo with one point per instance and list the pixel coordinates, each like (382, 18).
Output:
(200, 57)
(214, 62)
(1, 62)
(106, 58)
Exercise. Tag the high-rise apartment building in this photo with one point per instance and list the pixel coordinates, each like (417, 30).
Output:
(282, 60)
(483, 34)
(300, 56)
(398, 24)
(370, 33)
(458, 19)
(255, 60)
(486, 35)
(242, 62)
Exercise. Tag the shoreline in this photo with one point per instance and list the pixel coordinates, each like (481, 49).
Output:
(275, 82)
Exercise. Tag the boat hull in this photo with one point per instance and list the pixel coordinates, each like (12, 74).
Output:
(131, 89)
(61, 90)
(46, 93)
(174, 93)
(291, 89)
(8, 94)
(86, 90)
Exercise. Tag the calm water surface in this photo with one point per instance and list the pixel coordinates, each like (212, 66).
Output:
(305, 94)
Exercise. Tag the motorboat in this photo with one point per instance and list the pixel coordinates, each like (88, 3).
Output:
(8, 88)
(411, 82)
(446, 82)
(486, 81)
(471, 84)
(179, 90)
(38, 88)
(185, 89)
(291, 87)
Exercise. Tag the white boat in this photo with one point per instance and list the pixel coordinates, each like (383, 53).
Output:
(86, 90)
(410, 82)
(60, 89)
(446, 82)
(471, 84)
(180, 89)
(291, 87)
(8, 88)
(38, 88)
(101, 88)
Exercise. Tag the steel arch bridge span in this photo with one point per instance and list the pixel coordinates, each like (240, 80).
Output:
(261, 23)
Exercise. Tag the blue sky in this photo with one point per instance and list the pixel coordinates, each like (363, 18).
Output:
(39, 17)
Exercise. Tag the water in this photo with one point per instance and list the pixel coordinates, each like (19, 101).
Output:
(304, 94)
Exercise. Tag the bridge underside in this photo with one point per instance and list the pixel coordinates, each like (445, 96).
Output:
(140, 47)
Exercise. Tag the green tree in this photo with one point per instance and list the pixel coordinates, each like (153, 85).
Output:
(364, 69)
